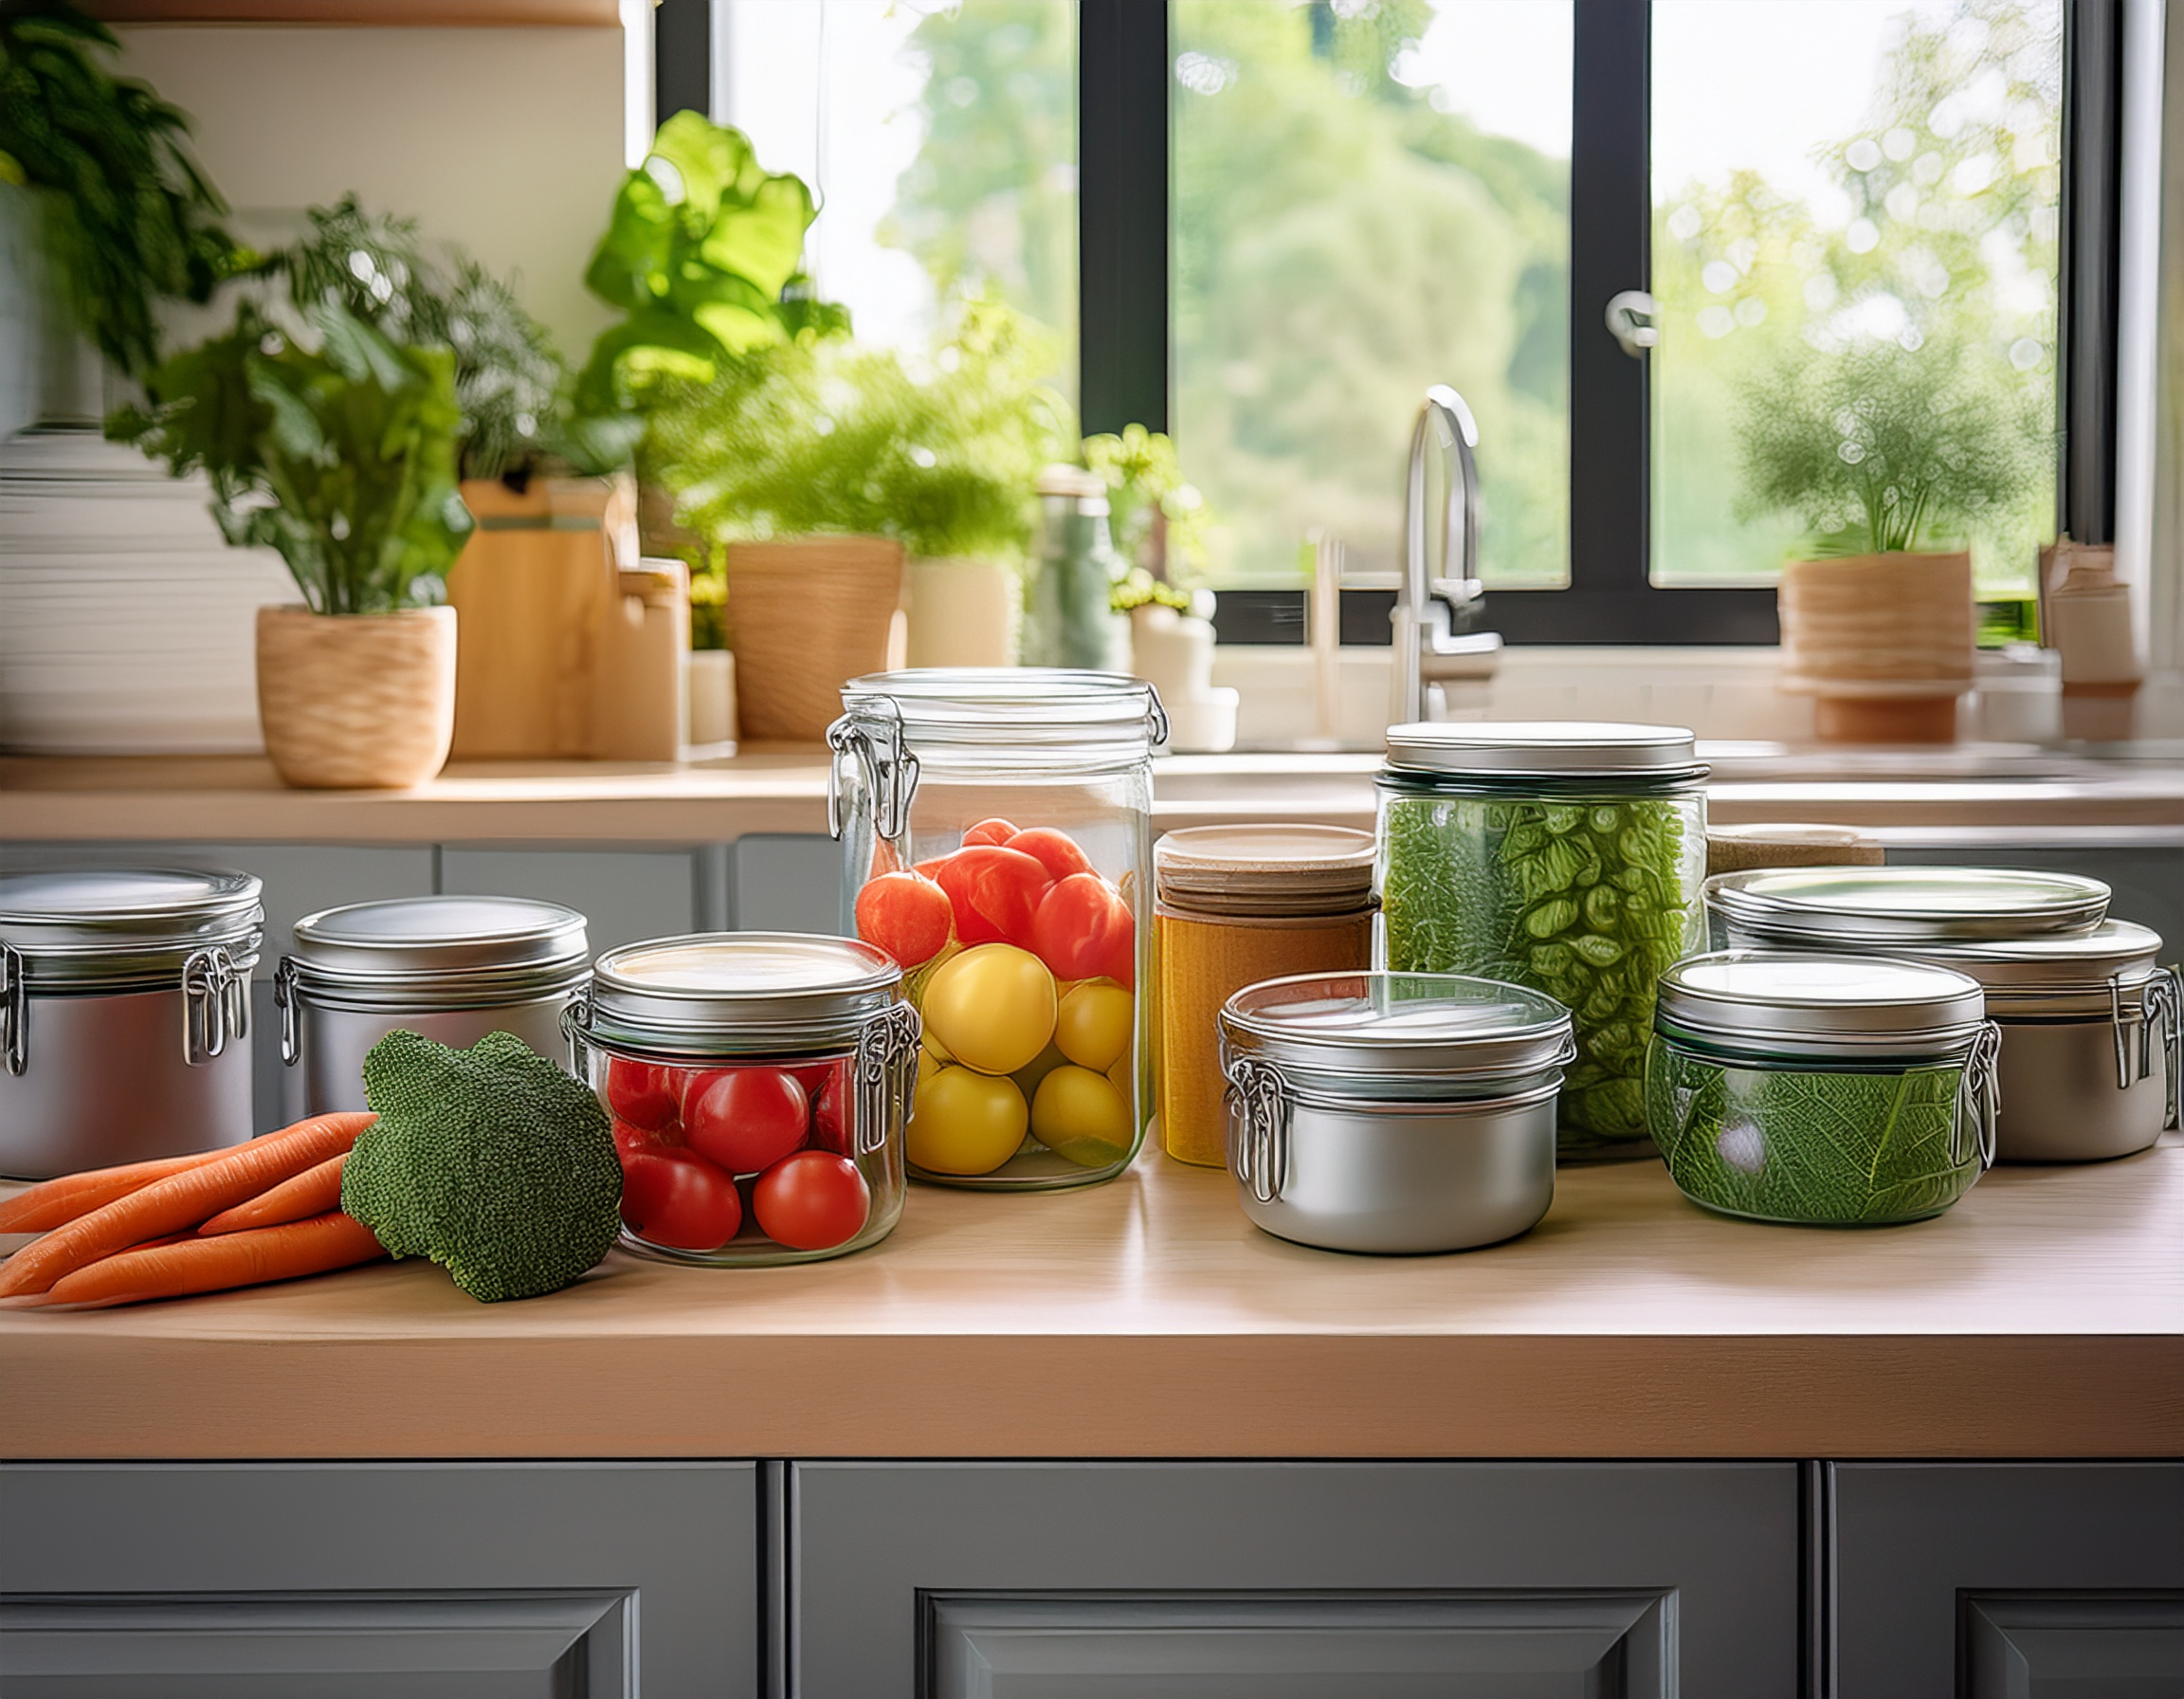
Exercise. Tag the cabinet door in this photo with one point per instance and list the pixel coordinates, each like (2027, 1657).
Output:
(1994, 1579)
(1464, 1580)
(623, 895)
(377, 1579)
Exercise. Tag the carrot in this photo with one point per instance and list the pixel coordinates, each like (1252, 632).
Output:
(198, 1265)
(312, 1193)
(179, 1201)
(56, 1202)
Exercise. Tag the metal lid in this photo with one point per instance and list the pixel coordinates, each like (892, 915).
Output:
(1272, 870)
(2114, 951)
(1012, 706)
(1791, 1002)
(711, 991)
(456, 941)
(101, 924)
(1375, 1025)
(1545, 749)
(1837, 906)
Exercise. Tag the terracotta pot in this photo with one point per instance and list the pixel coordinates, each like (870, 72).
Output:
(1883, 643)
(356, 702)
(805, 616)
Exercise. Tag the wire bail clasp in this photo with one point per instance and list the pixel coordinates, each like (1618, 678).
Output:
(215, 1003)
(881, 758)
(1258, 1130)
(1981, 1084)
(14, 1009)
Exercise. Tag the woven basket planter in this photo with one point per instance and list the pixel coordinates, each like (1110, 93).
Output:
(356, 702)
(805, 616)
(1883, 642)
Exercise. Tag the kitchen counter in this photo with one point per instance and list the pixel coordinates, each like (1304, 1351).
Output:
(2138, 789)
(2043, 1317)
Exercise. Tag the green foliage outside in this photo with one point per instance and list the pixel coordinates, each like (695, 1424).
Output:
(342, 457)
(128, 217)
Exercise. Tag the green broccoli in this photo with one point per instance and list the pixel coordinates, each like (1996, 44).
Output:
(491, 1162)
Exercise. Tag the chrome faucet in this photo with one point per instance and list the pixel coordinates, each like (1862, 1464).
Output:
(1431, 615)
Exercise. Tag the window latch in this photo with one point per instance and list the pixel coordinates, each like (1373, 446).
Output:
(1634, 320)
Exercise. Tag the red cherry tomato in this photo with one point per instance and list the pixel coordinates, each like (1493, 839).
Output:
(642, 1094)
(995, 831)
(1084, 930)
(995, 892)
(905, 914)
(1054, 850)
(745, 1119)
(832, 1108)
(677, 1198)
(635, 1140)
(812, 1201)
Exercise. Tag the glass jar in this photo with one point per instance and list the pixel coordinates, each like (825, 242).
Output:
(124, 1016)
(758, 1084)
(997, 830)
(453, 968)
(1567, 856)
(1239, 904)
(2082, 1000)
(1821, 1090)
(1068, 615)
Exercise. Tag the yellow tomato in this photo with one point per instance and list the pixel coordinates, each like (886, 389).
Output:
(991, 1007)
(1044, 1063)
(1093, 1024)
(962, 1122)
(1080, 1115)
(928, 1063)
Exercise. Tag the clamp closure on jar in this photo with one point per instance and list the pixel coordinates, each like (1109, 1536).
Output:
(2161, 1004)
(881, 757)
(291, 1012)
(1981, 1084)
(216, 1002)
(887, 1073)
(14, 1009)
(1261, 1139)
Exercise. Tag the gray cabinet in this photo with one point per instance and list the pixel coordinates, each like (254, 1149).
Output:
(378, 1580)
(2064, 1581)
(625, 895)
(1455, 1580)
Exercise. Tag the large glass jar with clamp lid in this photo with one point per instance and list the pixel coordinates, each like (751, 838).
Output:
(124, 1016)
(996, 832)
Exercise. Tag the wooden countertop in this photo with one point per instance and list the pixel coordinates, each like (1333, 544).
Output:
(238, 798)
(2043, 1317)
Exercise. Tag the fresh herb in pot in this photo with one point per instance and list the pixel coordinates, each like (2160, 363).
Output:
(1786, 1144)
(1586, 899)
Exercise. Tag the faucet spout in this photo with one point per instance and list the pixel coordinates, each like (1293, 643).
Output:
(1431, 612)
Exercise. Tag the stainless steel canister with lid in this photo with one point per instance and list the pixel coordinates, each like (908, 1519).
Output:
(453, 968)
(1821, 1090)
(670, 1035)
(124, 1016)
(1393, 1112)
(2091, 1049)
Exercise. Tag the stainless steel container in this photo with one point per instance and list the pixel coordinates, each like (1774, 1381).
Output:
(2090, 1057)
(452, 968)
(1393, 1112)
(124, 1016)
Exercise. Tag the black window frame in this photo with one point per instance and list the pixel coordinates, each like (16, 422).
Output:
(1124, 63)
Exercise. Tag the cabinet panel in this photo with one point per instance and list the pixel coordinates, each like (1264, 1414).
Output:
(624, 894)
(1082, 1578)
(788, 882)
(1934, 1558)
(379, 1578)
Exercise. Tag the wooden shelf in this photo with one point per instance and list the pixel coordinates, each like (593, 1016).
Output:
(2042, 1317)
(595, 14)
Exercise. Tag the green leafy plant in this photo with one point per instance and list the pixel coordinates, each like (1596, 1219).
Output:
(1157, 519)
(704, 256)
(128, 215)
(342, 457)
(513, 390)
(807, 437)
(1877, 448)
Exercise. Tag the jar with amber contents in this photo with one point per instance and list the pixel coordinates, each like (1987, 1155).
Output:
(1238, 904)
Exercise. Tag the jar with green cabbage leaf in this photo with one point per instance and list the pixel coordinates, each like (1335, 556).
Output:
(1565, 856)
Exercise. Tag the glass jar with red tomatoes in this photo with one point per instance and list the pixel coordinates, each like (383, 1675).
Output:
(996, 826)
(759, 1084)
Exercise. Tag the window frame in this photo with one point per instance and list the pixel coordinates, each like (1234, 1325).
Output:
(1125, 351)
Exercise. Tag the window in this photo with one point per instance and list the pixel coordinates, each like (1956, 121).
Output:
(1274, 223)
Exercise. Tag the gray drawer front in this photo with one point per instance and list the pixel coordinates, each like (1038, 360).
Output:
(2069, 1577)
(326, 1581)
(1492, 1578)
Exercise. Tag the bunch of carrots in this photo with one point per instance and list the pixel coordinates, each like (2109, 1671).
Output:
(266, 1210)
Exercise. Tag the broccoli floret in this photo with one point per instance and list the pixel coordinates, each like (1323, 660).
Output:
(491, 1162)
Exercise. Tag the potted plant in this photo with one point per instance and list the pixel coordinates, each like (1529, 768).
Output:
(339, 452)
(1879, 451)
